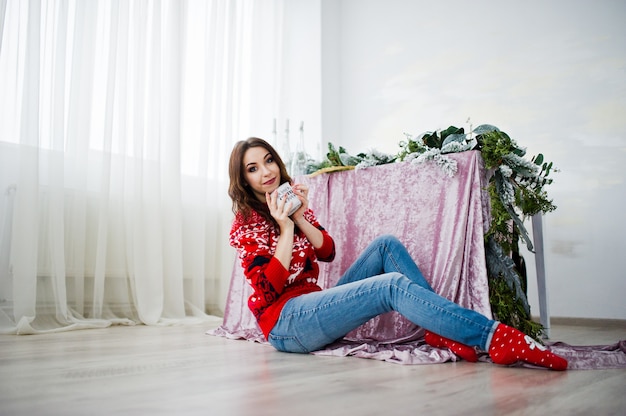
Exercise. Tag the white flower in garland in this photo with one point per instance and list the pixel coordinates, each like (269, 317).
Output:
(374, 158)
(449, 166)
(411, 156)
(427, 155)
(506, 171)
(366, 163)
(456, 147)
(521, 166)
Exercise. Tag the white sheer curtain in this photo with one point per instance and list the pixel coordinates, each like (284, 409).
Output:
(118, 118)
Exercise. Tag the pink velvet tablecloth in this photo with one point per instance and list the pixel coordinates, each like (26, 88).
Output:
(441, 220)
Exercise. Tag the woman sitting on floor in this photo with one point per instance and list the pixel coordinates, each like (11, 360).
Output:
(279, 254)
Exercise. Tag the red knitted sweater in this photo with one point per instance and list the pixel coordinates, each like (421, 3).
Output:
(255, 239)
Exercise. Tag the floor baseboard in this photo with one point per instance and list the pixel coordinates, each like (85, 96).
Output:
(597, 322)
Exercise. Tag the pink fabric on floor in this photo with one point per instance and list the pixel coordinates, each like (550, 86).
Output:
(589, 357)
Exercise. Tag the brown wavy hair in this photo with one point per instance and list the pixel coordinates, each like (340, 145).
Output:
(244, 200)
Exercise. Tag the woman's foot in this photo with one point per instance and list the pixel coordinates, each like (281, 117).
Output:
(510, 345)
(464, 351)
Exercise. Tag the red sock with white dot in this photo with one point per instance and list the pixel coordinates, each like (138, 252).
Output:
(510, 345)
(464, 351)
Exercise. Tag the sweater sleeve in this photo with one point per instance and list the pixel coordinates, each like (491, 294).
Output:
(326, 252)
(264, 272)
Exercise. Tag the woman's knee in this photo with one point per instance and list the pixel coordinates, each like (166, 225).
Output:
(388, 240)
(392, 285)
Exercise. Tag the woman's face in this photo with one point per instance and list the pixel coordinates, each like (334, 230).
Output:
(261, 171)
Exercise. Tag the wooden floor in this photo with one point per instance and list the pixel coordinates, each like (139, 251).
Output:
(181, 371)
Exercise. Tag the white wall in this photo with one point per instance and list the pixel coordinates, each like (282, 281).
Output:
(551, 74)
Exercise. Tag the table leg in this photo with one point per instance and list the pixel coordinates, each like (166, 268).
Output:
(537, 222)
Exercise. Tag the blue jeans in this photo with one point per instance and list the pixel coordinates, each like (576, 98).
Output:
(384, 278)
